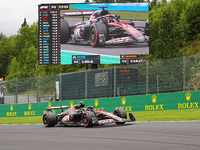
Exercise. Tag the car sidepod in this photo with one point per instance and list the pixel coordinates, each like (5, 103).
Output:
(132, 32)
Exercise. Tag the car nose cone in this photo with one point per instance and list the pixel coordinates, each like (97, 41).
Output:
(140, 38)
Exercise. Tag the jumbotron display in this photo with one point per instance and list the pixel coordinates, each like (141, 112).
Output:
(101, 33)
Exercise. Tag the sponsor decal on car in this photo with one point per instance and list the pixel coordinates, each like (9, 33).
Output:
(106, 121)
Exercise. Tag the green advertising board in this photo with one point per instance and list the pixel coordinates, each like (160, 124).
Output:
(157, 102)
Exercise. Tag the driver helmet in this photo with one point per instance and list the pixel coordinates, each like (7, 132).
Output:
(108, 18)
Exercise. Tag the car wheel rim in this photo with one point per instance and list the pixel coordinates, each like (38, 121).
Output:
(116, 113)
(45, 120)
(85, 119)
(93, 35)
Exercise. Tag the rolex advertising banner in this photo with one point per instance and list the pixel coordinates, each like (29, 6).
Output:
(157, 102)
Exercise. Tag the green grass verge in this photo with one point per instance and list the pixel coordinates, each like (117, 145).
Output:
(20, 120)
(142, 16)
(166, 115)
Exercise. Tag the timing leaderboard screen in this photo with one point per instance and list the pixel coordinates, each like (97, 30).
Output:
(100, 33)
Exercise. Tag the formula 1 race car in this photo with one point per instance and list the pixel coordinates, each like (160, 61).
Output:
(79, 115)
(100, 29)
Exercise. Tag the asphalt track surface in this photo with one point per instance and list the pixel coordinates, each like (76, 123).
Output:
(111, 50)
(131, 136)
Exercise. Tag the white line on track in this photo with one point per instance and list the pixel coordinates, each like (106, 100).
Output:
(189, 121)
(23, 124)
(198, 121)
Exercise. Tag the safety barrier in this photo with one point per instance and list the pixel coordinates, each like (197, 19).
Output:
(158, 102)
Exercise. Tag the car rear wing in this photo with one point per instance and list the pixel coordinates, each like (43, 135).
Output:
(77, 13)
(57, 107)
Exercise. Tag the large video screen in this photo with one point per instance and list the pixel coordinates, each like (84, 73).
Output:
(99, 33)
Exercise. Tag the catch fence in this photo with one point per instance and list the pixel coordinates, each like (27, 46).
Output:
(172, 75)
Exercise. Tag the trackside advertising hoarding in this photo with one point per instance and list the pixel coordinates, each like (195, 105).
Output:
(157, 102)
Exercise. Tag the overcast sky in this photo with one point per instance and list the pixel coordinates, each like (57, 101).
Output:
(13, 12)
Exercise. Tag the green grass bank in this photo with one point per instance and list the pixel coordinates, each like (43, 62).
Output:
(165, 115)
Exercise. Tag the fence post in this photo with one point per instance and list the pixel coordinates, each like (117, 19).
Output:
(147, 77)
(37, 88)
(16, 98)
(184, 73)
(86, 86)
(28, 98)
(60, 88)
(114, 84)
(157, 78)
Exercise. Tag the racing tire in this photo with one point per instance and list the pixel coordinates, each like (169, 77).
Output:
(49, 119)
(120, 113)
(87, 118)
(132, 118)
(64, 31)
(146, 28)
(96, 30)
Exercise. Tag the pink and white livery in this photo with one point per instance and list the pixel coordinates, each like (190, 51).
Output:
(79, 115)
(101, 29)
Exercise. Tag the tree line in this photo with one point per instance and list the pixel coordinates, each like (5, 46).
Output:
(19, 56)
(172, 26)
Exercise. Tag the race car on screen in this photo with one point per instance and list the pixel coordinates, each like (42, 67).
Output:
(79, 115)
(100, 29)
